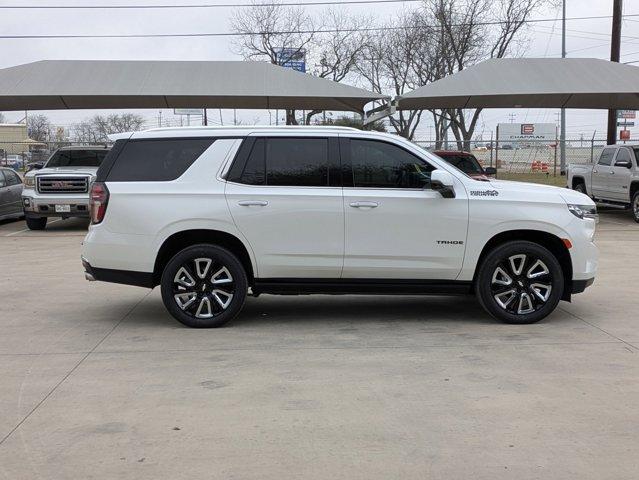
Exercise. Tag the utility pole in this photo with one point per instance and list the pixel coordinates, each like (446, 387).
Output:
(562, 133)
(205, 119)
(615, 50)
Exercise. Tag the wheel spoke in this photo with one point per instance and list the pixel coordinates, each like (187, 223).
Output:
(222, 298)
(525, 304)
(505, 298)
(500, 277)
(538, 269)
(517, 263)
(204, 309)
(184, 300)
(222, 276)
(202, 266)
(184, 278)
(541, 291)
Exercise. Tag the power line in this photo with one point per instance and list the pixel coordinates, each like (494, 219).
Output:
(283, 32)
(202, 5)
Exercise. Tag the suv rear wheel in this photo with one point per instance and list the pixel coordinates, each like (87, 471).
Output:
(204, 286)
(36, 223)
(519, 282)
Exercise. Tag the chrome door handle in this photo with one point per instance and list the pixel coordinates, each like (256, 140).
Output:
(364, 204)
(612, 172)
(595, 171)
(251, 203)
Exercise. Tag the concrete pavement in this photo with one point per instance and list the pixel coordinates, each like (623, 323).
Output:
(98, 381)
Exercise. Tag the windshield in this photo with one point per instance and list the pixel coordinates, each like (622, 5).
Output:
(77, 158)
(636, 150)
(465, 162)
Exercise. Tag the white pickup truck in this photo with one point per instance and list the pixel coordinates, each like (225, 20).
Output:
(613, 179)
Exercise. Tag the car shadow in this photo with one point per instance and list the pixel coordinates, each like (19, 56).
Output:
(336, 310)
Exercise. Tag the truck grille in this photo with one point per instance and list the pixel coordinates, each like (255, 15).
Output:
(63, 184)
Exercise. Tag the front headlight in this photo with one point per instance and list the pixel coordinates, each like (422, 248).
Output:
(29, 182)
(584, 211)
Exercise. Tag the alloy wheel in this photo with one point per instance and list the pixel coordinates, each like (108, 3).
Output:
(203, 288)
(635, 207)
(521, 284)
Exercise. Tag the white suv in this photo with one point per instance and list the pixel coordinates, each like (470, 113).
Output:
(214, 214)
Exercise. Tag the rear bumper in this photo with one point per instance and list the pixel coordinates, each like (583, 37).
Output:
(578, 286)
(126, 277)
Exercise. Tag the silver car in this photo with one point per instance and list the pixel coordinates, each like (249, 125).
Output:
(10, 194)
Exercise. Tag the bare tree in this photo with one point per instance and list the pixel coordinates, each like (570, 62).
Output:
(396, 60)
(266, 29)
(337, 52)
(39, 127)
(98, 128)
(471, 31)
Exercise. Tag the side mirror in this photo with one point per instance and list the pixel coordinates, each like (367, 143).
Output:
(441, 181)
(623, 163)
(490, 171)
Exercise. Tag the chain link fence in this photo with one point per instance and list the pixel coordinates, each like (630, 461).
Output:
(21, 155)
(528, 157)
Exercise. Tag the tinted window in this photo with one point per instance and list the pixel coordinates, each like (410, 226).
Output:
(466, 163)
(297, 162)
(301, 162)
(254, 172)
(77, 158)
(382, 165)
(623, 155)
(3, 182)
(156, 160)
(12, 178)
(606, 156)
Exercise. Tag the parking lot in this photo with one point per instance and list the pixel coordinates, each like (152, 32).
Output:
(97, 380)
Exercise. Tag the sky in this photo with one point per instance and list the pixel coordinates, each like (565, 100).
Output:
(585, 38)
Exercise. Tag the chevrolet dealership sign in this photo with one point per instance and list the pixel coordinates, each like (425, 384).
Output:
(524, 132)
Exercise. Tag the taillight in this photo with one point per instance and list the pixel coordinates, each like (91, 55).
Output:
(98, 201)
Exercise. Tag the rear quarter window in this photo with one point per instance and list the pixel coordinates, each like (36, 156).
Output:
(156, 160)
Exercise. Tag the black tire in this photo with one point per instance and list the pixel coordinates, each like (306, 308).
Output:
(528, 288)
(581, 188)
(214, 298)
(36, 223)
(634, 206)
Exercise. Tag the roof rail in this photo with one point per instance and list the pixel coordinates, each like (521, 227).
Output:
(254, 127)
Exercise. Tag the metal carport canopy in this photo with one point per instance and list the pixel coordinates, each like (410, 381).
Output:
(83, 84)
(532, 83)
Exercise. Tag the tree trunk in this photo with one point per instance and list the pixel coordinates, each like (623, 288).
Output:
(290, 118)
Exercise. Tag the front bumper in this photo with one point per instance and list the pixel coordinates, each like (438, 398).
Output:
(36, 205)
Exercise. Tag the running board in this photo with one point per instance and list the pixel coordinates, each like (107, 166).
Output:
(297, 286)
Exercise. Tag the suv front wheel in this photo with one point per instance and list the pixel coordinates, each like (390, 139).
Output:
(204, 286)
(519, 282)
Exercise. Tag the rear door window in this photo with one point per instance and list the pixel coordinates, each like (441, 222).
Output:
(296, 162)
(156, 160)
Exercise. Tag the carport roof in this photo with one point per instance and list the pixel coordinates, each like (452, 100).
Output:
(77, 84)
(532, 83)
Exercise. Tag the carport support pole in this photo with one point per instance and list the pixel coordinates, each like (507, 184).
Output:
(615, 48)
(562, 135)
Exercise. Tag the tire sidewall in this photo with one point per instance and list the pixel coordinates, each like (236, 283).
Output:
(635, 199)
(581, 188)
(220, 255)
(484, 279)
